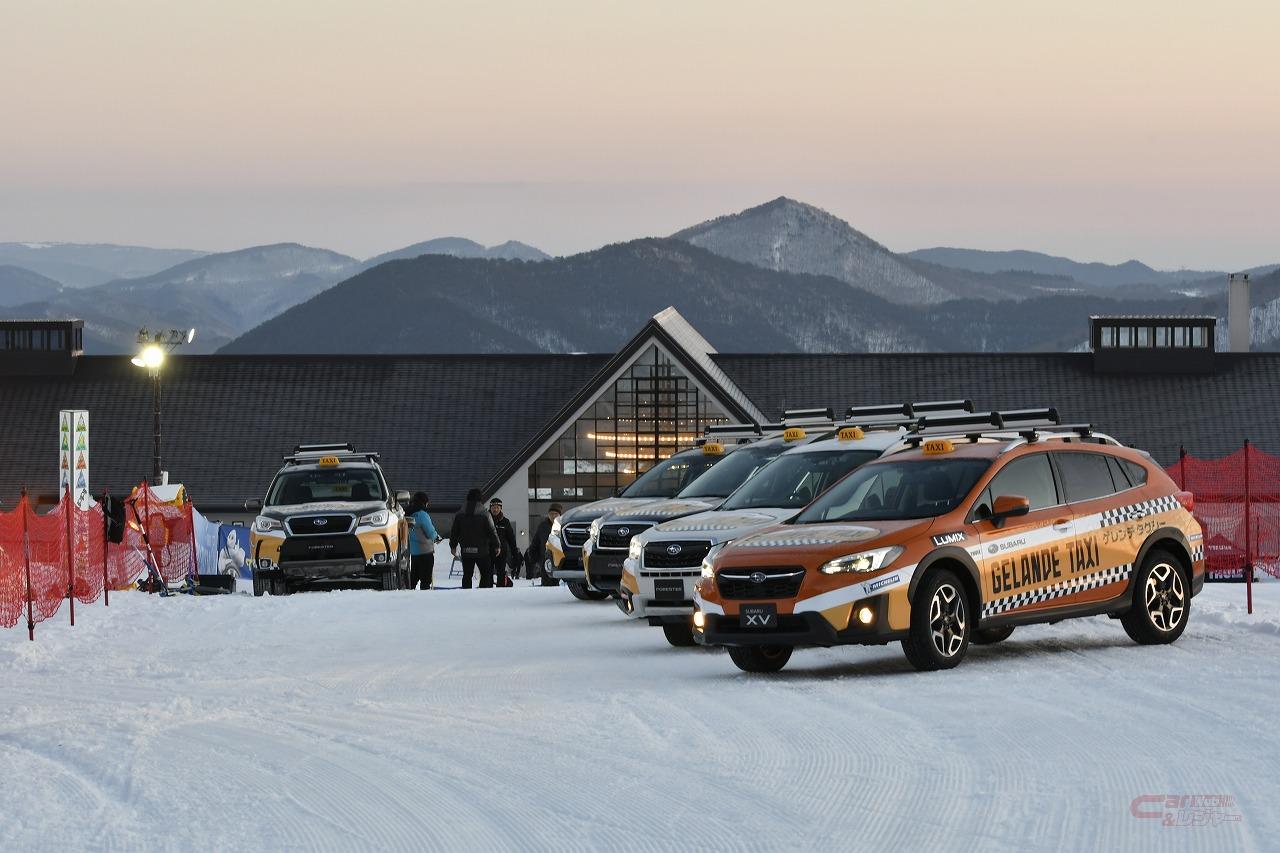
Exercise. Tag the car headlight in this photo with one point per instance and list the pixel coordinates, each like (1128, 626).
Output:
(863, 561)
(555, 527)
(374, 519)
(262, 524)
(708, 571)
(595, 531)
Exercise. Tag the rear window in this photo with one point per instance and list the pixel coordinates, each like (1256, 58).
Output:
(1137, 473)
(1085, 476)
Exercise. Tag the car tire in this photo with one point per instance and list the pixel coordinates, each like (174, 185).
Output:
(760, 658)
(991, 636)
(279, 587)
(390, 580)
(582, 592)
(1161, 600)
(679, 634)
(941, 624)
(259, 586)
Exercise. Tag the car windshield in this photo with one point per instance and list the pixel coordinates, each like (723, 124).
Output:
(916, 488)
(792, 481)
(320, 485)
(668, 477)
(721, 480)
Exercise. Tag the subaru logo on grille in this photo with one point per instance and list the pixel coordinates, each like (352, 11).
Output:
(319, 522)
(673, 550)
(624, 531)
(758, 577)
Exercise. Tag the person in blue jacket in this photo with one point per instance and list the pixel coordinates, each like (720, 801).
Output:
(422, 542)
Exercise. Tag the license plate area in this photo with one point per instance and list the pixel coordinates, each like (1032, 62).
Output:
(668, 589)
(759, 616)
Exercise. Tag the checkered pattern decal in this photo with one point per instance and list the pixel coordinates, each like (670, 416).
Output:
(1197, 553)
(1142, 509)
(1057, 590)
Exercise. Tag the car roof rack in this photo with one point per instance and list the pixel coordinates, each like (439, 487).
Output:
(973, 426)
(907, 410)
(731, 429)
(1061, 432)
(320, 449)
(808, 417)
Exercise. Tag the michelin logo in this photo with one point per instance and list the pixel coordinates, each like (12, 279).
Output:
(880, 583)
(948, 538)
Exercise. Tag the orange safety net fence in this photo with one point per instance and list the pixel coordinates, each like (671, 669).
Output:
(64, 556)
(1237, 502)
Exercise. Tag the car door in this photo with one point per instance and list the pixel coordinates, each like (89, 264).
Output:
(1025, 556)
(1102, 560)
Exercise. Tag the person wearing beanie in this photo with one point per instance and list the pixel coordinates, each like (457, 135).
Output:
(537, 556)
(510, 558)
(474, 540)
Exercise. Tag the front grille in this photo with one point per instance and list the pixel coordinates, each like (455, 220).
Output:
(302, 548)
(320, 524)
(657, 555)
(613, 537)
(777, 583)
(576, 537)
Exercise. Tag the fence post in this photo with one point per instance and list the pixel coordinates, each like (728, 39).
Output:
(71, 571)
(195, 551)
(26, 558)
(106, 545)
(1248, 543)
(1182, 467)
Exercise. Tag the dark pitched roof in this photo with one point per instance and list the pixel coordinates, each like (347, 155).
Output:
(1211, 415)
(441, 423)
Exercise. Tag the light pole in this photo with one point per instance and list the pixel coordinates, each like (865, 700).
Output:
(152, 355)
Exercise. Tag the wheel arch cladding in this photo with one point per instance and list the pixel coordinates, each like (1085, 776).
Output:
(1169, 539)
(959, 562)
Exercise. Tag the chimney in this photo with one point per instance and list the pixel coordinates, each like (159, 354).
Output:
(1238, 320)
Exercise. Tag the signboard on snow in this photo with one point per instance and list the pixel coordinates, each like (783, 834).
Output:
(73, 456)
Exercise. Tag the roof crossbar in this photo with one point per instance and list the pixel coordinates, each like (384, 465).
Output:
(798, 417)
(332, 447)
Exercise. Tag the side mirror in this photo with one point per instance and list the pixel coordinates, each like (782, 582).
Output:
(402, 497)
(253, 505)
(1009, 506)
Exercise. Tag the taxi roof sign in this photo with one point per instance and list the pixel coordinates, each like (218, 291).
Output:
(793, 434)
(850, 434)
(938, 445)
(713, 448)
(329, 461)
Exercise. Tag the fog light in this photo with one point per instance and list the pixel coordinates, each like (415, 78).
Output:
(380, 557)
(264, 562)
(699, 619)
(866, 615)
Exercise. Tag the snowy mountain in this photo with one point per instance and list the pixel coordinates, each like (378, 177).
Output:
(785, 235)
(789, 236)
(461, 247)
(87, 264)
(18, 286)
(222, 295)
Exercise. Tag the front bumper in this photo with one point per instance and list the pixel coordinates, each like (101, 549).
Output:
(324, 570)
(647, 603)
(800, 629)
(603, 568)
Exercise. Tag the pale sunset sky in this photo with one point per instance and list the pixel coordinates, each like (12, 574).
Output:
(1111, 130)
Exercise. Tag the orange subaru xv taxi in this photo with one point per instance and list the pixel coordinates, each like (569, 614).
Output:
(952, 541)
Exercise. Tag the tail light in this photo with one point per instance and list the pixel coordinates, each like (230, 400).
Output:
(1187, 500)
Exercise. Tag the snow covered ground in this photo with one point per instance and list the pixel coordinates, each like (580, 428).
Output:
(517, 719)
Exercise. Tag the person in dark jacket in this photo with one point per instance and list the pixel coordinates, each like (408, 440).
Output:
(510, 558)
(422, 542)
(538, 547)
(474, 535)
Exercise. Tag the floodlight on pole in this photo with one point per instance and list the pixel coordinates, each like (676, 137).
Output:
(152, 357)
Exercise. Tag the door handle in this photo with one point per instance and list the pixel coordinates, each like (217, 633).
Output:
(1062, 525)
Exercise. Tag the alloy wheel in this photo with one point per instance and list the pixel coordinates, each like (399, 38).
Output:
(947, 620)
(1165, 597)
